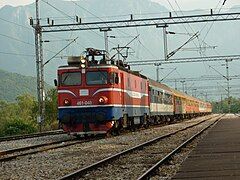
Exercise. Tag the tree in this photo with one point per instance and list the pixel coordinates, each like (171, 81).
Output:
(27, 107)
(222, 106)
(18, 117)
(51, 108)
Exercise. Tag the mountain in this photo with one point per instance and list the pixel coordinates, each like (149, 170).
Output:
(13, 85)
(18, 38)
(17, 52)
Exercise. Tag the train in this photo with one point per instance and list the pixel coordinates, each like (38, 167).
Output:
(98, 95)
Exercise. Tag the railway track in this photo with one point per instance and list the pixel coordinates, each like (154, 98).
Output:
(151, 171)
(118, 163)
(237, 115)
(26, 136)
(8, 153)
(14, 153)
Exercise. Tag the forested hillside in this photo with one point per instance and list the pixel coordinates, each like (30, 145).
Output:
(13, 85)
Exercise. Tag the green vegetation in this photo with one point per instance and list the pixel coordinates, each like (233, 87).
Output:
(20, 117)
(19, 107)
(13, 85)
(222, 106)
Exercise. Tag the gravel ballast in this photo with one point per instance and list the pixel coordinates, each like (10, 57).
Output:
(56, 163)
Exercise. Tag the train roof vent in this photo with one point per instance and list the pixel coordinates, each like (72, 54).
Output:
(74, 60)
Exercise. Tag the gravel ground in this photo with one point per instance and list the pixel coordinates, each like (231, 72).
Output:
(32, 141)
(56, 163)
(167, 171)
(132, 166)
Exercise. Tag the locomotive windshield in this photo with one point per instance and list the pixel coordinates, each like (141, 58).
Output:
(97, 78)
(71, 79)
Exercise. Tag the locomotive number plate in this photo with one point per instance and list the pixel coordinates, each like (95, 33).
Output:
(84, 103)
(84, 92)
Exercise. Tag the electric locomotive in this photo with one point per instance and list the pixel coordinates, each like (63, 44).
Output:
(97, 95)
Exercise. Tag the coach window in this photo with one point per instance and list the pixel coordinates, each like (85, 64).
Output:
(96, 78)
(161, 97)
(168, 99)
(70, 79)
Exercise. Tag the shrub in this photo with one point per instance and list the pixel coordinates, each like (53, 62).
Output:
(16, 127)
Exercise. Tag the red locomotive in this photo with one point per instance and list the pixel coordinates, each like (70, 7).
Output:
(97, 95)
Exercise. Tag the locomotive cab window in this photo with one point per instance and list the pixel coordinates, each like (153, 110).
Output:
(70, 79)
(96, 78)
(113, 78)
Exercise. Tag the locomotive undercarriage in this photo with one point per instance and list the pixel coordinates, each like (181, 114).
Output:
(93, 121)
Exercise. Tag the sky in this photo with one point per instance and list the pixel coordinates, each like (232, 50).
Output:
(184, 4)
(197, 4)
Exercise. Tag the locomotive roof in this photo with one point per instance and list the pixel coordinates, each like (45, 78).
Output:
(98, 66)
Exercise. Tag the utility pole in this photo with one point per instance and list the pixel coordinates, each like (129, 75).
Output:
(182, 85)
(39, 68)
(105, 30)
(157, 71)
(221, 104)
(228, 86)
(165, 43)
(175, 84)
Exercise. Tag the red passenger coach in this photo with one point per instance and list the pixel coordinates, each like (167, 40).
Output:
(97, 95)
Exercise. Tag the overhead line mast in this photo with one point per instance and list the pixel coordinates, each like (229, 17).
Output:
(131, 22)
(39, 67)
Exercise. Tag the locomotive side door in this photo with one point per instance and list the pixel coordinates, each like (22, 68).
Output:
(122, 96)
(125, 122)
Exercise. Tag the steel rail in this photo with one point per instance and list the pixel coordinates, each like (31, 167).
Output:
(8, 158)
(10, 151)
(150, 171)
(237, 115)
(26, 136)
(79, 173)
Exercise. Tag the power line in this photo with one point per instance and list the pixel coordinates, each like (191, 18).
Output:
(202, 78)
(156, 21)
(17, 54)
(187, 23)
(54, 7)
(70, 17)
(19, 40)
(184, 60)
(60, 51)
(16, 24)
(98, 18)
(212, 22)
(27, 55)
(28, 28)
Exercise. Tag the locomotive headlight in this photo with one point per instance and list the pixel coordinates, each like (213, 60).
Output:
(103, 100)
(66, 102)
(83, 61)
(83, 65)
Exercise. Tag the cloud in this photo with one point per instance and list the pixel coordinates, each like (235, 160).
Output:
(15, 2)
(196, 4)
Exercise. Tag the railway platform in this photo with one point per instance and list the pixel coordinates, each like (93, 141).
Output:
(217, 156)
